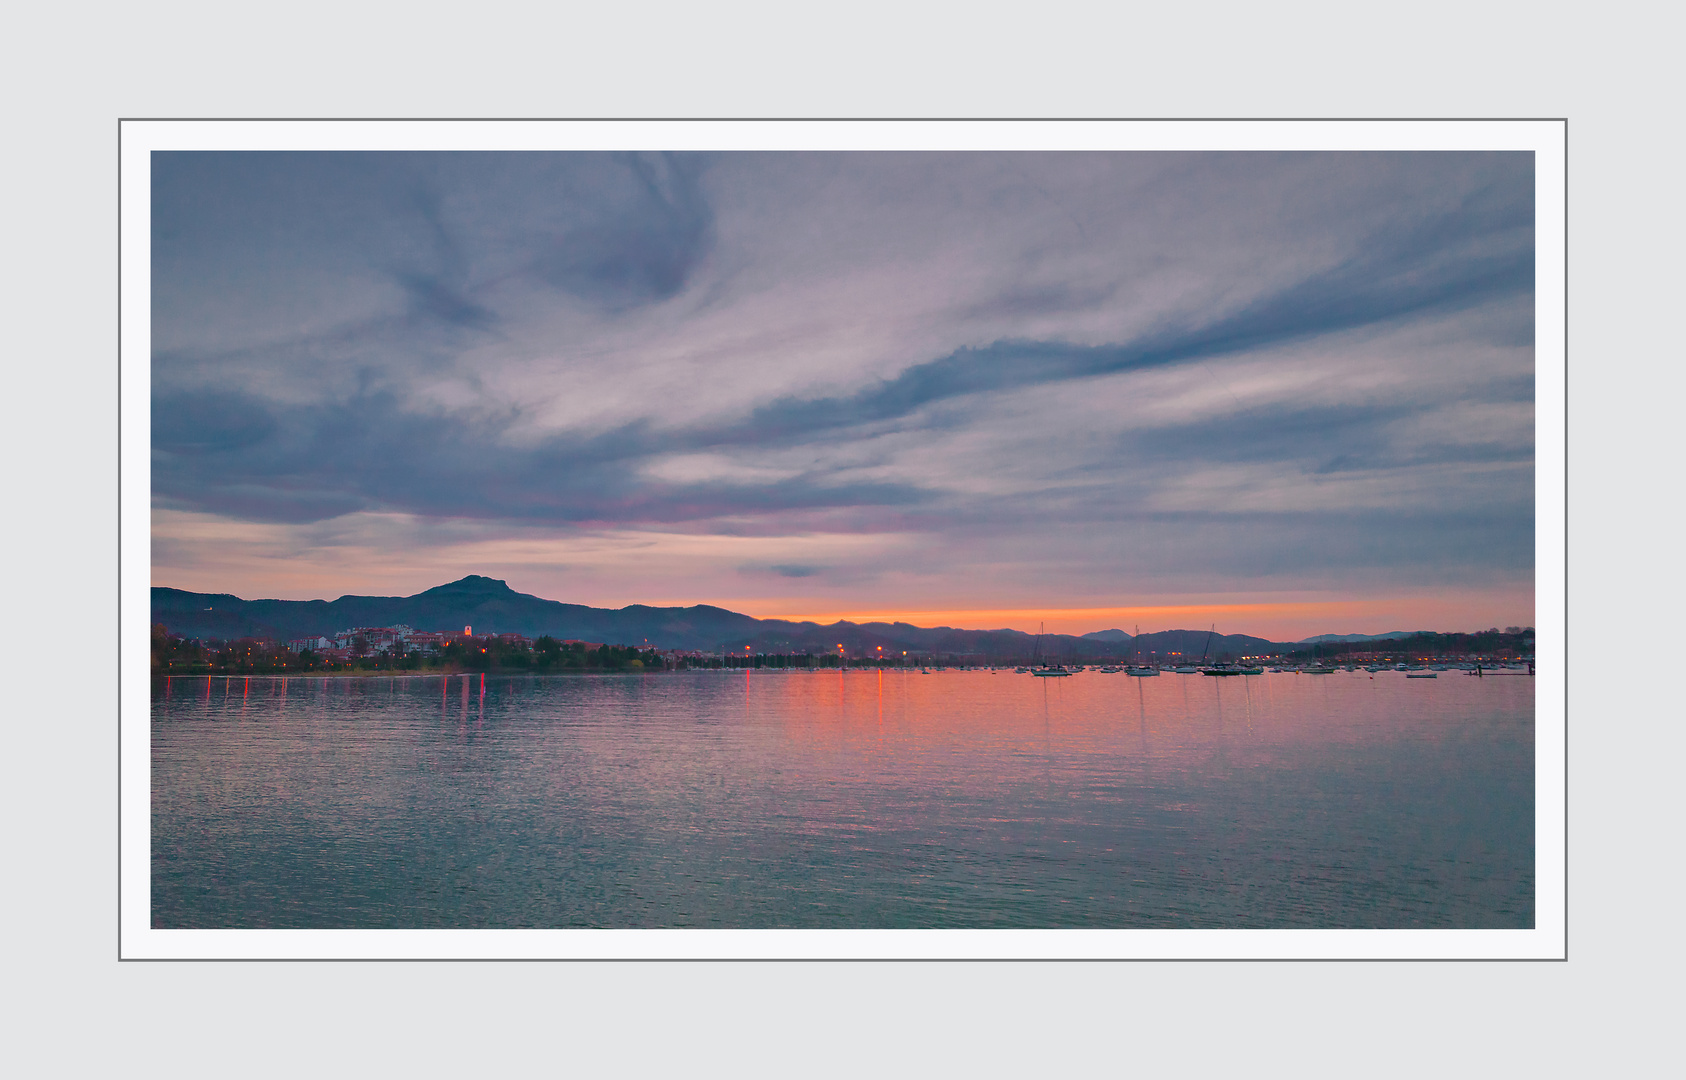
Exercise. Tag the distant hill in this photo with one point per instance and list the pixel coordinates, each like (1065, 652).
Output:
(491, 606)
(487, 604)
(1194, 644)
(893, 638)
(1389, 636)
(1188, 644)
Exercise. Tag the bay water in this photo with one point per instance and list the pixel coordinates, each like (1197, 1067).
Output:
(834, 798)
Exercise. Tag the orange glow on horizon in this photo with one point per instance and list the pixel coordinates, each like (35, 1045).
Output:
(1278, 620)
(975, 618)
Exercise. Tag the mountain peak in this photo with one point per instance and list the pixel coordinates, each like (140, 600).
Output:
(473, 583)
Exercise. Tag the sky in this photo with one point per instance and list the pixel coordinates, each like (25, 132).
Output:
(1282, 393)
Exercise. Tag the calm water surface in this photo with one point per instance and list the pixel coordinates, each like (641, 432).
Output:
(858, 799)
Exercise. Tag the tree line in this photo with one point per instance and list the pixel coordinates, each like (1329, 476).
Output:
(1512, 641)
(173, 655)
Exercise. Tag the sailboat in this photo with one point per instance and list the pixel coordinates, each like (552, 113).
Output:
(1138, 670)
(1045, 670)
(1215, 669)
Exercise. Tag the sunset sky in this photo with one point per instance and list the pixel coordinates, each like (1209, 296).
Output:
(1286, 393)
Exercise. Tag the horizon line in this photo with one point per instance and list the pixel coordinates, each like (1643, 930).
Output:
(978, 618)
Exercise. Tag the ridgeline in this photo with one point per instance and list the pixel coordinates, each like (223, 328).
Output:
(491, 606)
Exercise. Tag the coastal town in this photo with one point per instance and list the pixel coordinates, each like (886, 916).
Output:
(401, 648)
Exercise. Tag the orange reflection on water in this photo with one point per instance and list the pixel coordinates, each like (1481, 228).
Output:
(858, 726)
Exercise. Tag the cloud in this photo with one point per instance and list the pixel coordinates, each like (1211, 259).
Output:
(194, 424)
(376, 252)
(1396, 274)
(648, 250)
(308, 462)
(1130, 368)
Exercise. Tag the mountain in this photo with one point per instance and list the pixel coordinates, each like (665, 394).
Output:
(1192, 645)
(487, 604)
(1389, 636)
(894, 638)
(491, 606)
